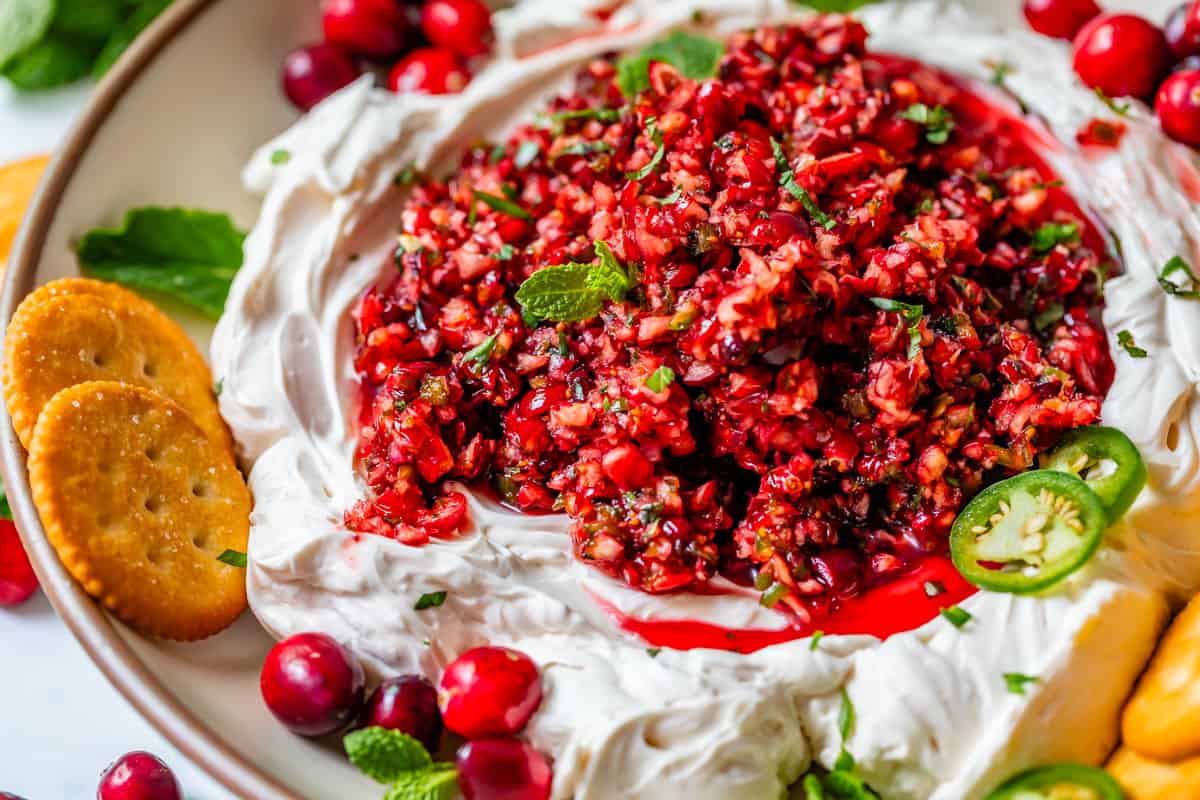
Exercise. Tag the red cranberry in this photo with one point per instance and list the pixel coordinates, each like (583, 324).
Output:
(489, 691)
(503, 769)
(838, 569)
(377, 28)
(310, 74)
(17, 581)
(462, 26)
(627, 467)
(312, 684)
(408, 704)
(138, 776)
(430, 70)
(1123, 55)
(1182, 30)
(1178, 107)
(1060, 19)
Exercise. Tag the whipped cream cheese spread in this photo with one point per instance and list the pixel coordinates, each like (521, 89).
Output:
(935, 717)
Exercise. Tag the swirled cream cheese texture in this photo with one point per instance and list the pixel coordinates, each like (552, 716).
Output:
(935, 718)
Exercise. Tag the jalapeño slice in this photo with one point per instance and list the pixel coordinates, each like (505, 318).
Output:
(1028, 532)
(1059, 782)
(1106, 460)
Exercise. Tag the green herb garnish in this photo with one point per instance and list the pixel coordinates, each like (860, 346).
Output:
(660, 379)
(1052, 234)
(1177, 264)
(1120, 109)
(501, 204)
(186, 255)
(481, 353)
(233, 558)
(846, 716)
(653, 651)
(280, 156)
(694, 56)
(527, 151)
(938, 121)
(833, 6)
(1125, 339)
(574, 292)
(651, 165)
(1015, 681)
(912, 314)
(430, 600)
(787, 179)
(817, 636)
(772, 595)
(956, 616)
(391, 757)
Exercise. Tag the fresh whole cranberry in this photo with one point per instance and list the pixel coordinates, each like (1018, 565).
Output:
(376, 28)
(17, 581)
(1178, 107)
(138, 776)
(431, 70)
(312, 73)
(503, 769)
(462, 26)
(1123, 55)
(312, 684)
(407, 703)
(489, 691)
(1182, 30)
(1060, 19)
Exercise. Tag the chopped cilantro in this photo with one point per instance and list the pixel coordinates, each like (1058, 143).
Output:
(660, 379)
(1177, 264)
(481, 353)
(938, 121)
(234, 558)
(1125, 339)
(787, 179)
(956, 616)
(912, 314)
(1052, 234)
(1015, 681)
(430, 600)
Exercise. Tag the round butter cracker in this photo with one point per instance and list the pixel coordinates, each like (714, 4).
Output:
(139, 502)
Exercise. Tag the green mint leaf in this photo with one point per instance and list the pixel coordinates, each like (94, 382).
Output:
(610, 277)
(651, 165)
(934, 588)
(956, 616)
(846, 716)
(481, 353)
(52, 62)
(847, 785)
(1052, 234)
(660, 379)
(187, 255)
(912, 314)
(89, 19)
(145, 13)
(385, 755)
(501, 204)
(817, 636)
(1120, 109)
(787, 179)
(437, 781)
(833, 6)
(844, 762)
(527, 152)
(1177, 264)
(813, 790)
(694, 56)
(574, 292)
(584, 148)
(430, 600)
(1015, 681)
(602, 114)
(1125, 339)
(280, 156)
(234, 558)
(938, 121)
(23, 23)
(1000, 72)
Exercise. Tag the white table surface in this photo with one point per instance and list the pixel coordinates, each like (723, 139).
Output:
(61, 723)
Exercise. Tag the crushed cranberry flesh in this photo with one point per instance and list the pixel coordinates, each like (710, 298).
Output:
(820, 362)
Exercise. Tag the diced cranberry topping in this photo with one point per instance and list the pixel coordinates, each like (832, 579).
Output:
(1101, 133)
(407, 703)
(312, 73)
(377, 28)
(489, 691)
(810, 377)
(462, 26)
(1122, 55)
(312, 684)
(17, 580)
(1182, 30)
(1178, 107)
(430, 70)
(138, 776)
(503, 769)
(1060, 19)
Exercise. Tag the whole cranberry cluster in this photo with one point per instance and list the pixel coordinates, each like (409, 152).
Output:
(1124, 55)
(858, 297)
(425, 46)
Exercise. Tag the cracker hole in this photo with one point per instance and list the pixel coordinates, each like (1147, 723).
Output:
(155, 556)
(201, 489)
(154, 504)
(104, 521)
(153, 453)
(149, 370)
(98, 359)
(200, 540)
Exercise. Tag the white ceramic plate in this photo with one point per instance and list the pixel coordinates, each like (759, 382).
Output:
(173, 124)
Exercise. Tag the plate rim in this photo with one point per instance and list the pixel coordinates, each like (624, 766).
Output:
(83, 616)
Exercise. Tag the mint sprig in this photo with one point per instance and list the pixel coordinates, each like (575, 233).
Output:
(655, 136)
(392, 757)
(574, 292)
(1052, 234)
(695, 57)
(787, 179)
(187, 255)
(438, 781)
